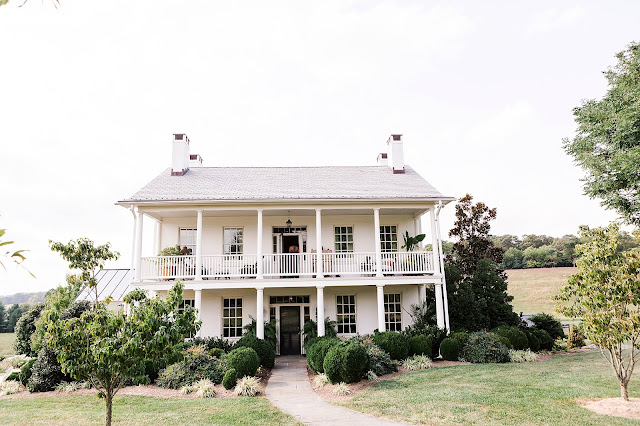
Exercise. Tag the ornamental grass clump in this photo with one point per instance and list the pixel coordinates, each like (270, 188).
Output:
(9, 387)
(320, 380)
(204, 388)
(247, 386)
(67, 387)
(517, 356)
(417, 362)
(342, 389)
(371, 375)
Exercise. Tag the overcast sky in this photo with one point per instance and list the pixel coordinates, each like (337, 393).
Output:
(482, 91)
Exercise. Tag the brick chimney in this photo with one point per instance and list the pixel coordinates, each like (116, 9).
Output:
(180, 157)
(396, 153)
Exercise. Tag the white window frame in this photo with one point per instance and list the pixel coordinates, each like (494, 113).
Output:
(384, 241)
(353, 323)
(186, 302)
(192, 245)
(237, 329)
(337, 231)
(224, 241)
(397, 324)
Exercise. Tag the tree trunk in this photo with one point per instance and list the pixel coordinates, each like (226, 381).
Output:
(109, 400)
(623, 392)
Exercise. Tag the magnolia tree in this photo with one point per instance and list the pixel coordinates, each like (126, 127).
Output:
(83, 255)
(605, 295)
(107, 348)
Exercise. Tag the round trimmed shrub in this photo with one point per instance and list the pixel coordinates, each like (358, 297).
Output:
(216, 353)
(317, 351)
(483, 348)
(333, 364)
(461, 336)
(549, 324)
(420, 345)
(244, 360)
(516, 338)
(230, 379)
(450, 349)
(394, 343)
(534, 343)
(355, 362)
(546, 341)
(263, 348)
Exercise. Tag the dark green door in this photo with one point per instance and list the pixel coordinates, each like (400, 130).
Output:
(290, 330)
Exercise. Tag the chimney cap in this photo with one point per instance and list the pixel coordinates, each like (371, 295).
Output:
(396, 137)
(180, 137)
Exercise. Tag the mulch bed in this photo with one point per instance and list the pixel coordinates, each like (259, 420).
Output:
(617, 407)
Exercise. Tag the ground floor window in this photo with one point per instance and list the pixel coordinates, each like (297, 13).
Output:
(186, 302)
(392, 312)
(346, 318)
(232, 317)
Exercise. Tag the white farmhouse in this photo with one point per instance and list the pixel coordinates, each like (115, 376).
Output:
(291, 244)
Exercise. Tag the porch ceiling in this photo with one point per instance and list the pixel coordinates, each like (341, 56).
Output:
(160, 214)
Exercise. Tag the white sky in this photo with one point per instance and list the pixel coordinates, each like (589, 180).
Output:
(482, 91)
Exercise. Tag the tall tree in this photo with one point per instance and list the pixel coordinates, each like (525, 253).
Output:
(85, 256)
(107, 348)
(607, 141)
(14, 313)
(605, 295)
(3, 318)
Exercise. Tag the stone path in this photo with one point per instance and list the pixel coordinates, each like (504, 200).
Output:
(289, 390)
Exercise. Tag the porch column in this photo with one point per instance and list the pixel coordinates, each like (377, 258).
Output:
(133, 243)
(138, 256)
(198, 307)
(422, 293)
(319, 265)
(260, 313)
(376, 230)
(157, 236)
(260, 270)
(381, 325)
(439, 306)
(434, 243)
(320, 297)
(199, 247)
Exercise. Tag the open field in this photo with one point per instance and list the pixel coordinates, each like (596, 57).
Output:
(141, 410)
(532, 289)
(6, 343)
(530, 393)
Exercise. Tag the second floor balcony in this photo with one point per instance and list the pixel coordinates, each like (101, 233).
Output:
(287, 265)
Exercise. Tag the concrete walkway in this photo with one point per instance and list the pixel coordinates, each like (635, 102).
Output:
(289, 390)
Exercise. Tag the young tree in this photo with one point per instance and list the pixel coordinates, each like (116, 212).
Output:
(604, 293)
(607, 141)
(83, 255)
(106, 348)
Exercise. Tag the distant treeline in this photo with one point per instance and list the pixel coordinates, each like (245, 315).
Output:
(540, 251)
(12, 307)
(18, 298)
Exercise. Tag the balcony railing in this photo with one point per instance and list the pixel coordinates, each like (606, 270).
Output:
(293, 265)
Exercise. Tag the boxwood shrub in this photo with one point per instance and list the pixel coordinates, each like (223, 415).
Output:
(546, 341)
(394, 343)
(484, 347)
(549, 324)
(230, 379)
(461, 336)
(515, 337)
(244, 360)
(420, 345)
(263, 348)
(450, 349)
(317, 351)
(346, 362)
(532, 340)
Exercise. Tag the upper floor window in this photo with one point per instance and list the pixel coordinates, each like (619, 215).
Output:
(188, 239)
(343, 239)
(388, 238)
(233, 241)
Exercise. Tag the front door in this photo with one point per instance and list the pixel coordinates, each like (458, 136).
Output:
(290, 330)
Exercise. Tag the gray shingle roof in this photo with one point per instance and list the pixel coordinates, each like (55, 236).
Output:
(286, 183)
(111, 282)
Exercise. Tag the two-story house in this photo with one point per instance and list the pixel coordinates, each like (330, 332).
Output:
(292, 244)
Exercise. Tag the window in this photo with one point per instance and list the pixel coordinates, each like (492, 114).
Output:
(188, 239)
(389, 238)
(233, 241)
(392, 312)
(346, 308)
(273, 300)
(186, 302)
(343, 239)
(232, 317)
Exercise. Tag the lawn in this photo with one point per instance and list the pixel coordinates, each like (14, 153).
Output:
(530, 393)
(6, 343)
(533, 289)
(141, 410)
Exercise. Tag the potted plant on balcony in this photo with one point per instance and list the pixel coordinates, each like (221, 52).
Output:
(410, 243)
(167, 269)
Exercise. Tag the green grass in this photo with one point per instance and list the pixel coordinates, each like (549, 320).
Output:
(141, 410)
(529, 393)
(6, 343)
(533, 289)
